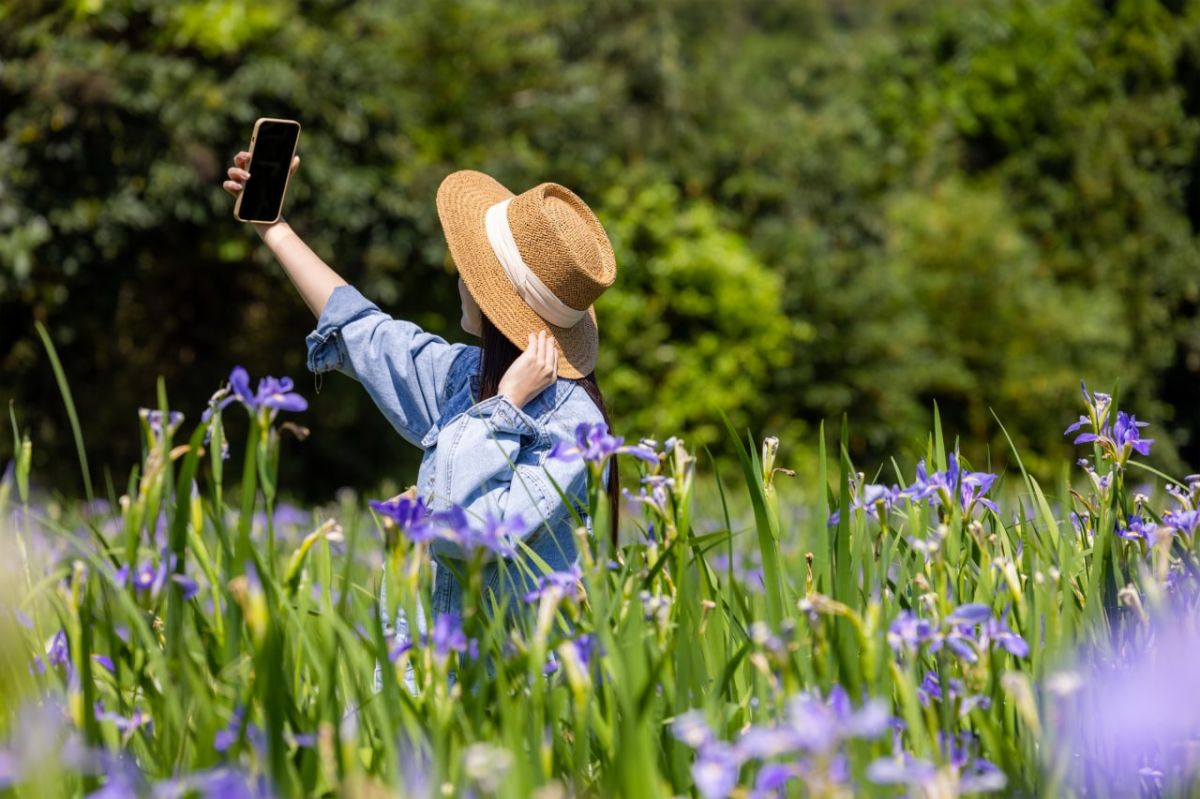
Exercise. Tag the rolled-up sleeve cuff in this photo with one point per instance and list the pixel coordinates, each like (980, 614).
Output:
(325, 348)
(502, 416)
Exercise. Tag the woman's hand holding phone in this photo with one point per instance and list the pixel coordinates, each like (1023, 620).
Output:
(237, 182)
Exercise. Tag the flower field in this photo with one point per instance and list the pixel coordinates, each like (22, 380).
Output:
(938, 630)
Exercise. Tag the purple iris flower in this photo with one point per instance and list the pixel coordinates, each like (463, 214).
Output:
(586, 647)
(908, 631)
(1139, 529)
(411, 516)
(274, 394)
(123, 723)
(454, 522)
(930, 688)
(189, 586)
(974, 613)
(869, 498)
(997, 631)
(811, 725)
(960, 643)
(448, 635)
(566, 581)
(981, 776)
(145, 576)
(1135, 710)
(594, 444)
(277, 393)
(715, 771)
(1119, 439)
(494, 533)
(1125, 433)
(901, 770)
(398, 649)
(772, 779)
(227, 737)
(224, 782)
(58, 654)
(499, 534)
(154, 418)
(1185, 521)
(692, 728)
(105, 661)
(942, 487)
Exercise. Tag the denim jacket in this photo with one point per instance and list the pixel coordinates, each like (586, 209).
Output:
(484, 456)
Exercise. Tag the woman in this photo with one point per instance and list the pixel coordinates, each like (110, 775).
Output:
(530, 266)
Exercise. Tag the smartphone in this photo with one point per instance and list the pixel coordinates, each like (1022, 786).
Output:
(272, 147)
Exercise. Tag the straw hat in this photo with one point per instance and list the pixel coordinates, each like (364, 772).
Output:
(535, 262)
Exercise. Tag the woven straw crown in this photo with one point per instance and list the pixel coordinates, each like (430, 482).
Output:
(559, 239)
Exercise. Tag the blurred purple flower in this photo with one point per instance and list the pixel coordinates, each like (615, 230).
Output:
(222, 782)
(868, 500)
(970, 614)
(565, 581)
(1185, 521)
(154, 419)
(227, 737)
(145, 576)
(908, 631)
(997, 631)
(586, 648)
(411, 516)
(930, 690)
(124, 723)
(594, 444)
(448, 635)
(772, 779)
(1134, 709)
(691, 728)
(715, 771)
(57, 653)
(189, 586)
(498, 534)
(903, 769)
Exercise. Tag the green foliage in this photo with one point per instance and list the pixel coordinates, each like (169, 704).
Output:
(145, 651)
(695, 320)
(993, 326)
(1042, 157)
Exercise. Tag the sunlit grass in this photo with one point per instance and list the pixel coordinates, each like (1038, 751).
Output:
(197, 633)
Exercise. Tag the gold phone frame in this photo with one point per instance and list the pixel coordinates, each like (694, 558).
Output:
(237, 206)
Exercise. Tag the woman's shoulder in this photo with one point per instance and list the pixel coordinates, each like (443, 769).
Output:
(563, 406)
(464, 371)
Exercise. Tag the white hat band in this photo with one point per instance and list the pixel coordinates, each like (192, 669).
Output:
(536, 294)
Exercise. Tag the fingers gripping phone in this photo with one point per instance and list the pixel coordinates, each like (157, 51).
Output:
(272, 148)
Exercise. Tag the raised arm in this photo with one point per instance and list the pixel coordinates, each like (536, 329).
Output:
(312, 277)
(403, 368)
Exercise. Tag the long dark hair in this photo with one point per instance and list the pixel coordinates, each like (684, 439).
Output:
(498, 355)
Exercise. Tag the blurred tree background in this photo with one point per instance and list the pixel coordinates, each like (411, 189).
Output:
(819, 207)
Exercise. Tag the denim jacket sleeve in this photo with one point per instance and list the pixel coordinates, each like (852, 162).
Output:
(403, 368)
(479, 466)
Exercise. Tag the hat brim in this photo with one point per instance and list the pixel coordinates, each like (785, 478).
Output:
(462, 200)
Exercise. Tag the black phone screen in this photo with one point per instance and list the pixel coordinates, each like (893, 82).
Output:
(274, 146)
